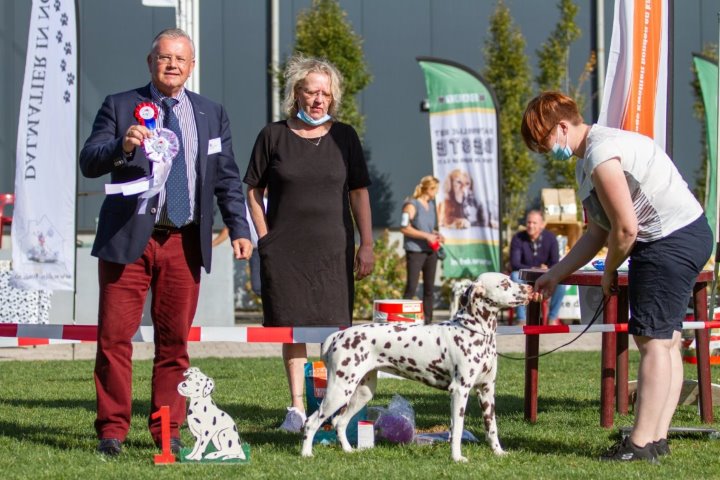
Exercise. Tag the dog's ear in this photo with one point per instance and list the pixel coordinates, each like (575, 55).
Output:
(465, 297)
(475, 290)
(209, 386)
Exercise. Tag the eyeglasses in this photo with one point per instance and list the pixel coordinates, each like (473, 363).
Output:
(541, 143)
(316, 93)
(163, 59)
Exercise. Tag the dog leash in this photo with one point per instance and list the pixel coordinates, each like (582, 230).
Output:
(598, 311)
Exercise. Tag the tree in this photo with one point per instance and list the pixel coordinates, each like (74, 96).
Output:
(553, 62)
(324, 31)
(508, 73)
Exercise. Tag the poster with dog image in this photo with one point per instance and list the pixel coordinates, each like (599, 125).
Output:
(463, 136)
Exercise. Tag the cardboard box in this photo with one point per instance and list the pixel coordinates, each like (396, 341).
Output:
(568, 205)
(550, 204)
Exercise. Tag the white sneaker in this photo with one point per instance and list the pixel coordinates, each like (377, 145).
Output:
(294, 420)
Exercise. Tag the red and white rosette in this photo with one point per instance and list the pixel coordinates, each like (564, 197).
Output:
(146, 114)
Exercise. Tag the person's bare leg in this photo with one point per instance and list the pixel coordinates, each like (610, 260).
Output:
(676, 384)
(294, 358)
(654, 387)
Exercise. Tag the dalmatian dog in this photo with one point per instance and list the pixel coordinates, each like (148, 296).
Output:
(458, 355)
(458, 289)
(206, 421)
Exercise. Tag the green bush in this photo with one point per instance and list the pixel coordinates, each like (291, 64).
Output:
(386, 281)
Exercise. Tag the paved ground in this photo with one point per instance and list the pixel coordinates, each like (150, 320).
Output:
(81, 351)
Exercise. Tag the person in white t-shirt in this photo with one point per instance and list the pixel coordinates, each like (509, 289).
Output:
(640, 207)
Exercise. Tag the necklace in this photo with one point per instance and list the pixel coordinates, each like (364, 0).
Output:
(313, 141)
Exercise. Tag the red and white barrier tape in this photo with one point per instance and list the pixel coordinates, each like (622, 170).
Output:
(17, 335)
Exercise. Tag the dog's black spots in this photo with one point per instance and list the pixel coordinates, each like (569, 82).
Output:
(399, 338)
(381, 354)
(462, 412)
(229, 443)
(399, 329)
(437, 340)
(420, 343)
(413, 370)
(222, 414)
(345, 362)
(334, 348)
(205, 408)
(235, 428)
(197, 420)
(356, 341)
(472, 373)
(387, 345)
(207, 433)
(214, 421)
(189, 414)
(406, 345)
(340, 373)
(412, 361)
(346, 344)
(373, 341)
(414, 338)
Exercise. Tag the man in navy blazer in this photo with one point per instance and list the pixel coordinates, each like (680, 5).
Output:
(161, 242)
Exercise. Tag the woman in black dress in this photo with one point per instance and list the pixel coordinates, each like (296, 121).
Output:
(315, 173)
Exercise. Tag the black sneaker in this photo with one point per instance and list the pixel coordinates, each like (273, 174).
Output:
(111, 447)
(661, 447)
(626, 451)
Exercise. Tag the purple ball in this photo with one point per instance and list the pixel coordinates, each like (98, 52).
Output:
(394, 428)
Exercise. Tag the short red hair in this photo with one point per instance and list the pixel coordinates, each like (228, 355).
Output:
(543, 113)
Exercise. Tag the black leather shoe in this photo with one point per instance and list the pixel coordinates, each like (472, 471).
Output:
(111, 447)
(176, 445)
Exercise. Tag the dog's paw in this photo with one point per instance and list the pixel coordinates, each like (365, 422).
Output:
(460, 459)
(306, 454)
(500, 452)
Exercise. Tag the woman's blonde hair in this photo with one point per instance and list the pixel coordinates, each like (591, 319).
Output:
(426, 183)
(543, 113)
(297, 69)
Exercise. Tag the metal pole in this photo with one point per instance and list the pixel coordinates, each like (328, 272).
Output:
(187, 17)
(598, 46)
(274, 59)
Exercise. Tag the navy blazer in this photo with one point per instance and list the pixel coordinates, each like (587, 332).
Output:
(122, 233)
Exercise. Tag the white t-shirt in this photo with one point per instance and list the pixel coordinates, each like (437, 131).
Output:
(663, 203)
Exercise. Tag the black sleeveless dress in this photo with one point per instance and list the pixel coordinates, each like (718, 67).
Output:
(306, 258)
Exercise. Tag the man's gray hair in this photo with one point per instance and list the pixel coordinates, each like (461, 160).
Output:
(172, 33)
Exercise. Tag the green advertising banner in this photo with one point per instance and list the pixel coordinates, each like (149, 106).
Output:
(707, 72)
(464, 139)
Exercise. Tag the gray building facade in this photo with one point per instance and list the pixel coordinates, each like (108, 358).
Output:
(115, 35)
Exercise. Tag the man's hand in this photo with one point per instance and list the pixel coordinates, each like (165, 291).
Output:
(134, 137)
(242, 248)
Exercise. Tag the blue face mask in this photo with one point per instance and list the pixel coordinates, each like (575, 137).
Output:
(311, 121)
(561, 153)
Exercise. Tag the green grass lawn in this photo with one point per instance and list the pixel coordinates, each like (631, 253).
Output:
(47, 413)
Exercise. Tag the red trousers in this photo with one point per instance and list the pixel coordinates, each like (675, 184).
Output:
(170, 266)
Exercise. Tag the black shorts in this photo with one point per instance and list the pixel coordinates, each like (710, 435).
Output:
(661, 277)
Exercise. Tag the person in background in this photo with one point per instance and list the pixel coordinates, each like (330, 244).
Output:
(421, 241)
(315, 172)
(536, 247)
(162, 242)
(639, 205)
